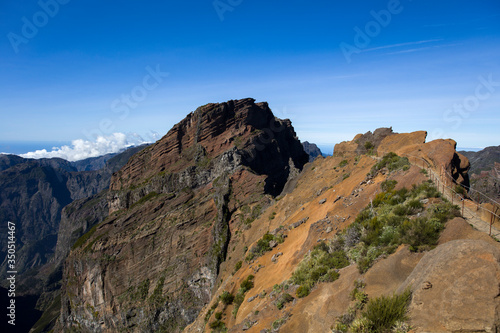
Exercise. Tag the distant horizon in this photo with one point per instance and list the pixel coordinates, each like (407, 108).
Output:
(21, 148)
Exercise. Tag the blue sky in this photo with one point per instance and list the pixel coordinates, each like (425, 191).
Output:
(335, 68)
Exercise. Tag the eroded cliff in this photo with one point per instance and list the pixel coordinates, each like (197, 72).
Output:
(154, 262)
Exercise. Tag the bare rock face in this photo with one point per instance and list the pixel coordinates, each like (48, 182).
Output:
(214, 139)
(455, 288)
(154, 262)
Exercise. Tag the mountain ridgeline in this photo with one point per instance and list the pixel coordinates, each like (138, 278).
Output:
(229, 223)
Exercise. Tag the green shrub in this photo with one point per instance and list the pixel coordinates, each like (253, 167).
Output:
(303, 291)
(238, 265)
(285, 298)
(320, 265)
(142, 290)
(384, 312)
(390, 221)
(263, 246)
(369, 145)
(218, 325)
(392, 162)
(330, 276)
(218, 315)
(278, 323)
(388, 185)
(247, 284)
(80, 241)
(343, 163)
(227, 298)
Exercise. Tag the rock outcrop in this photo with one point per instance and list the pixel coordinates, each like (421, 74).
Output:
(440, 155)
(363, 143)
(154, 262)
(455, 288)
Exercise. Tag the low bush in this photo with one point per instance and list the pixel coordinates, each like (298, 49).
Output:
(320, 265)
(237, 266)
(283, 299)
(218, 326)
(227, 298)
(303, 291)
(460, 190)
(393, 218)
(392, 162)
(388, 185)
(263, 245)
(245, 286)
(384, 312)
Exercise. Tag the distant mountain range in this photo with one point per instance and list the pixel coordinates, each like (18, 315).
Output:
(33, 194)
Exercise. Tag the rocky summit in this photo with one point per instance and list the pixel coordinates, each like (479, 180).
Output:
(224, 225)
(154, 262)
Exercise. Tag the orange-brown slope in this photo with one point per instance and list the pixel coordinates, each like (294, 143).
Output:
(328, 195)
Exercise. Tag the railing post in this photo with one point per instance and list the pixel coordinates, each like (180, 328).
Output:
(491, 222)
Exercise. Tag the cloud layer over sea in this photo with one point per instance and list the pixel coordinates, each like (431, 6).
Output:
(81, 149)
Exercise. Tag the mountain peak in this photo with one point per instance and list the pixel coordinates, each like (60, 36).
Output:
(216, 138)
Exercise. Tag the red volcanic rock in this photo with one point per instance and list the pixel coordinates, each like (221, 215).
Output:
(154, 262)
(214, 139)
(441, 155)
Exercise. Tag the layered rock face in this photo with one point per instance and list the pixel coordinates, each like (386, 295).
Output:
(33, 194)
(154, 262)
(215, 139)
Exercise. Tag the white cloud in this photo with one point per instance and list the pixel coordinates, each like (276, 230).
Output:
(81, 149)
